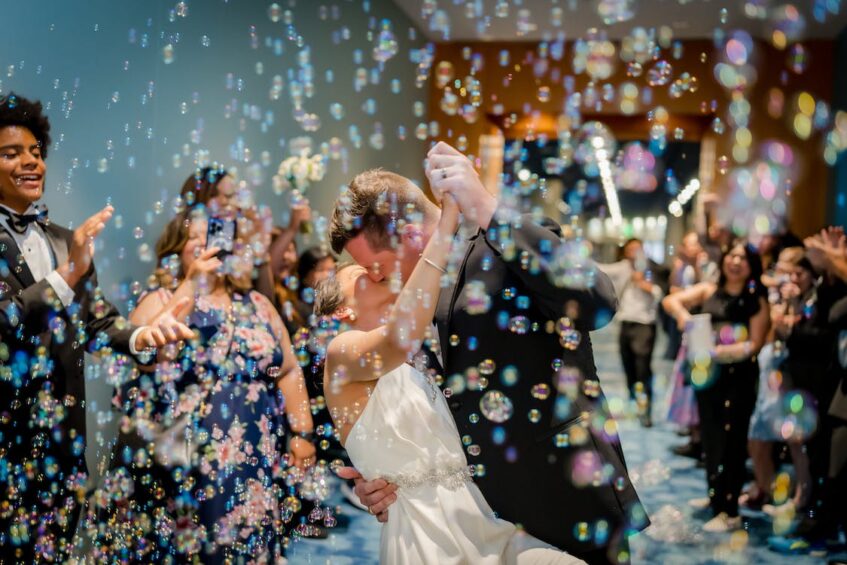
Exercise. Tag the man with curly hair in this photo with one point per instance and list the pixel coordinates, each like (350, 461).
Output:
(51, 311)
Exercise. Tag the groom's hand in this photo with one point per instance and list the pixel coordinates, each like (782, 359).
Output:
(449, 171)
(376, 495)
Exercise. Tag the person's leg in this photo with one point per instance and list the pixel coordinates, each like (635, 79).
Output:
(800, 459)
(837, 501)
(742, 398)
(643, 343)
(709, 405)
(763, 468)
(628, 357)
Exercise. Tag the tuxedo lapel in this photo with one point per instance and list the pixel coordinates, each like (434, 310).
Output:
(58, 244)
(11, 254)
(446, 302)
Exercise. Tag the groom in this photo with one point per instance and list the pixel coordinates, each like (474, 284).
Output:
(51, 311)
(514, 351)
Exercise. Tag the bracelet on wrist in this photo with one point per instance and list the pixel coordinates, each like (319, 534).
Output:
(433, 264)
(308, 436)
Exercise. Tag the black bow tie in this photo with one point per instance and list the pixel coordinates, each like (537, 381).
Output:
(20, 222)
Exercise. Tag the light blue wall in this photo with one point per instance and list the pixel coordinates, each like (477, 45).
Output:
(76, 54)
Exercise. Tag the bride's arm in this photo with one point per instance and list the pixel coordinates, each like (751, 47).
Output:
(388, 346)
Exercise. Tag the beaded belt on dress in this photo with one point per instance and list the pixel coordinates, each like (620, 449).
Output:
(451, 478)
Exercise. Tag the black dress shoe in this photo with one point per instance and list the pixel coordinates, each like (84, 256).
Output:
(690, 449)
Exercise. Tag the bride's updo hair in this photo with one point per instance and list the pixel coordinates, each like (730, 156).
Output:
(328, 294)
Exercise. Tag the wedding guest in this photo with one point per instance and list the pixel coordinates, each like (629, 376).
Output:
(726, 387)
(214, 190)
(638, 298)
(229, 391)
(803, 325)
(818, 530)
(283, 263)
(51, 312)
(690, 266)
(768, 415)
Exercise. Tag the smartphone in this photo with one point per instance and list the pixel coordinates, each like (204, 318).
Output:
(221, 234)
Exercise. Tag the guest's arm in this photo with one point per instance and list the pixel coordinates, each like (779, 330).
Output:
(760, 324)
(679, 304)
(293, 386)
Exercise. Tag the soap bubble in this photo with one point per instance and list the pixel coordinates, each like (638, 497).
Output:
(496, 406)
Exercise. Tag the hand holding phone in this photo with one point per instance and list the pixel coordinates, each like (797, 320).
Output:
(221, 234)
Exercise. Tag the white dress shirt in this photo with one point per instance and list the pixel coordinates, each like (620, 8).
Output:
(634, 303)
(35, 248)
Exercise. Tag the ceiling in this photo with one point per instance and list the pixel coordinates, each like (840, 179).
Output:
(478, 20)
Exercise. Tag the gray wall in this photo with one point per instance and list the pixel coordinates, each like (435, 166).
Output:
(95, 64)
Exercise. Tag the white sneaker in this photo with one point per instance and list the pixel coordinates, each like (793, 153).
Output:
(722, 523)
(699, 503)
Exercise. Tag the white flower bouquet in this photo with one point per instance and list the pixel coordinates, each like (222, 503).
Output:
(295, 174)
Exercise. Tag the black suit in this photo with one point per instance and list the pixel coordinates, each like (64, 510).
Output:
(526, 478)
(42, 394)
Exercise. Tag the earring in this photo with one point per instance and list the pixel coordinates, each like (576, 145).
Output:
(352, 317)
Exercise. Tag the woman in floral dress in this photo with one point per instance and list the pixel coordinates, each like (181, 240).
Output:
(214, 413)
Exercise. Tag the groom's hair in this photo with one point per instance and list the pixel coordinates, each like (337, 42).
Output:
(376, 203)
(18, 111)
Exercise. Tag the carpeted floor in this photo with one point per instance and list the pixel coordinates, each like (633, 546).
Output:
(665, 483)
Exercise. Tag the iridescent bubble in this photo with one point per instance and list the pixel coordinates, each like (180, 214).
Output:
(787, 24)
(798, 59)
(634, 69)
(509, 375)
(487, 367)
(450, 103)
(660, 73)
(145, 253)
(614, 11)
(496, 406)
(386, 45)
(541, 391)
(168, 54)
(274, 12)
(443, 74)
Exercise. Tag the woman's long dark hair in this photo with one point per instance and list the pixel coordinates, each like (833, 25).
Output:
(202, 186)
(308, 261)
(754, 260)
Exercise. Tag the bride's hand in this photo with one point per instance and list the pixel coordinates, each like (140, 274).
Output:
(303, 452)
(449, 213)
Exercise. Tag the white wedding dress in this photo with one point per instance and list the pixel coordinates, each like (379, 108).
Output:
(406, 435)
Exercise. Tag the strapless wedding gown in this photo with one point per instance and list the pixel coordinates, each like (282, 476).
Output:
(406, 435)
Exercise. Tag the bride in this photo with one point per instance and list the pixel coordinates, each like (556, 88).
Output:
(395, 423)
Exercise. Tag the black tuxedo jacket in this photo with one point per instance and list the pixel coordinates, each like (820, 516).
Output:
(42, 384)
(555, 466)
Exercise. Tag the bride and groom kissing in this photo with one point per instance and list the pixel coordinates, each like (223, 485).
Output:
(516, 458)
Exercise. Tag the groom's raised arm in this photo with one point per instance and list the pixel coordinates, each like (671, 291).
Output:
(532, 251)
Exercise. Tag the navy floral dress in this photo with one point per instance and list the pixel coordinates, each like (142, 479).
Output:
(212, 489)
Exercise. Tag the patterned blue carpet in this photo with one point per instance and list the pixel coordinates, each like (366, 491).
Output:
(664, 481)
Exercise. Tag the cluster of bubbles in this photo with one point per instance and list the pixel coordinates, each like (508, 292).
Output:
(759, 174)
